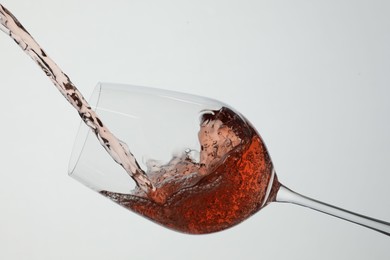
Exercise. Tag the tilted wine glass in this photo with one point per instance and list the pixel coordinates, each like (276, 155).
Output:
(207, 160)
(203, 175)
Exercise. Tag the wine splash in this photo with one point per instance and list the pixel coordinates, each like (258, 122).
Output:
(116, 148)
(233, 179)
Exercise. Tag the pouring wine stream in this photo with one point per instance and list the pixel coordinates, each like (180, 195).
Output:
(119, 151)
(116, 148)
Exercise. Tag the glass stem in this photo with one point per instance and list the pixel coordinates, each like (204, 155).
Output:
(286, 195)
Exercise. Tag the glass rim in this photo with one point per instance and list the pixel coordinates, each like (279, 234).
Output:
(83, 132)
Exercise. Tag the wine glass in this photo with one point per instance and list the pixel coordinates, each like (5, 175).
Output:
(208, 160)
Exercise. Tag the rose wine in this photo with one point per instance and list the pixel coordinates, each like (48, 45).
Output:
(233, 179)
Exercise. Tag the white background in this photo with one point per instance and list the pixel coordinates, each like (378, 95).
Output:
(312, 76)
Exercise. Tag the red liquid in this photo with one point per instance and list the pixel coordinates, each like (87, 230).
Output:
(227, 186)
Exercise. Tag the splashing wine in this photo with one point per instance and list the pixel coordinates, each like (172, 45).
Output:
(233, 179)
